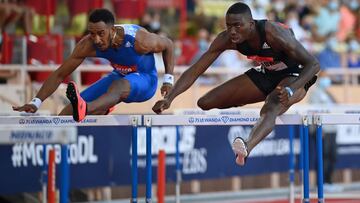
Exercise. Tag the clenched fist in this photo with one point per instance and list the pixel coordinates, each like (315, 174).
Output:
(161, 105)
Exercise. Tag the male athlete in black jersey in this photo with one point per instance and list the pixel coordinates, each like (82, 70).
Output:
(287, 71)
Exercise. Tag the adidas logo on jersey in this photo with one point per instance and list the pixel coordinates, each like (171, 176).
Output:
(128, 44)
(265, 46)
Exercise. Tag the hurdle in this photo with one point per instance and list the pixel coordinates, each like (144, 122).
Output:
(236, 111)
(329, 119)
(333, 115)
(206, 120)
(62, 130)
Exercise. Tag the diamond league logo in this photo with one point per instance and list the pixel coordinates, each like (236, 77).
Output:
(191, 120)
(56, 121)
(225, 119)
(22, 121)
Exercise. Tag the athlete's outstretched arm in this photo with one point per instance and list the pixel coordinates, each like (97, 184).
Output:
(283, 40)
(192, 73)
(82, 49)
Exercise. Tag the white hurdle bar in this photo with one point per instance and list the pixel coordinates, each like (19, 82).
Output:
(38, 129)
(65, 121)
(337, 119)
(192, 120)
(207, 120)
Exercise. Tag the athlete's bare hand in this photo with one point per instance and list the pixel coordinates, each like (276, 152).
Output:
(165, 89)
(161, 105)
(283, 95)
(28, 108)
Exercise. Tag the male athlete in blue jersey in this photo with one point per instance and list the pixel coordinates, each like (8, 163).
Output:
(130, 50)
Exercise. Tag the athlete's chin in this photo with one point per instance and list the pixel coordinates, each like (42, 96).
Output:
(102, 48)
(236, 40)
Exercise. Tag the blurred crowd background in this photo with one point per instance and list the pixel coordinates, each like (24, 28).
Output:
(44, 32)
(330, 29)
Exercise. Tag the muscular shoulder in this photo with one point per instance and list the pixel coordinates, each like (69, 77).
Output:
(278, 36)
(142, 36)
(147, 42)
(84, 48)
(222, 42)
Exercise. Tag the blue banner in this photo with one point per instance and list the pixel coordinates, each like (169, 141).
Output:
(102, 156)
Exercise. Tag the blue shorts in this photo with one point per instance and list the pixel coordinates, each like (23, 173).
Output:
(142, 86)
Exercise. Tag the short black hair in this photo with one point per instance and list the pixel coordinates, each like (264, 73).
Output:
(239, 8)
(103, 15)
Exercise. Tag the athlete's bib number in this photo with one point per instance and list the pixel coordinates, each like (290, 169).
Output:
(123, 69)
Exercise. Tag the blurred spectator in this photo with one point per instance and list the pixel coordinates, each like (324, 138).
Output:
(44, 12)
(129, 10)
(305, 9)
(328, 57)
(78, 11)
(191, 6)
(13, 12)
(203, 44)
(188, 50)
(353, 5)
(155, 23)
(292, 20)
(327, 20)
(353, 58)
(151, 22)
(357, 24)
(279, 7)
(145, 21)
(273, 15)
(258, 8)
(307, 22)
(347, 20)
(179, 57)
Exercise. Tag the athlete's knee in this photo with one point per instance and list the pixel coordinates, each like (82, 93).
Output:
(119, 90)
(120, 94)
(204, 103)
(115, 97)
(273, 98)
(272, 105)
